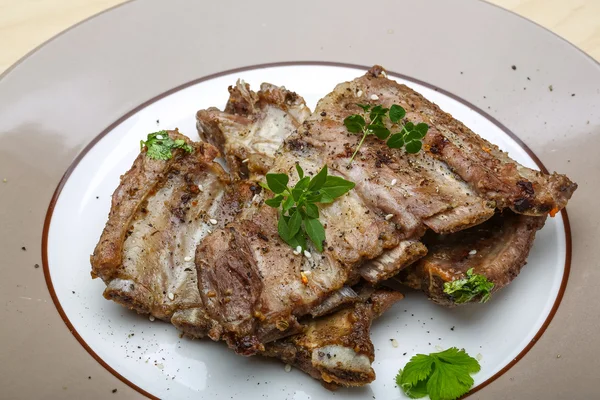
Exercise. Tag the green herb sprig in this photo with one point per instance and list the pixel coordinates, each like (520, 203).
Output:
(409, 136)
(160, 145)
(466, 289)
(443, 376)
(299, 214)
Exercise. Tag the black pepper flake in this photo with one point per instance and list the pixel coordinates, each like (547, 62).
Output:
(23, 248)
(89, 377)
(36, 266)
(403, 354)
(158, 121)
(572, 94)
(323, 113)
(97, 197)
(452, 328)
(114, 390)
(514, 67)
(72, 291)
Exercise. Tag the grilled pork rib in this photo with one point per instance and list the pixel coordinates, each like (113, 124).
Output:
(159, 213)
(161, 210)
(252, 127)
(488, 170)
(250, 281)
(246, 286)
(337, 348)
(496, 249)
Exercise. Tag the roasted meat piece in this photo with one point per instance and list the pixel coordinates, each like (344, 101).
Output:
(161, 210)
(487, 170)
(251, 282)
(252, 127)
(496, 249)
(337, 348)
(159, 213)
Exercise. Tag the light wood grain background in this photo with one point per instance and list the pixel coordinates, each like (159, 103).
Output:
(25, 24)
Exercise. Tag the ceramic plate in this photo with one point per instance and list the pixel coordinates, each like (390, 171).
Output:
(83, 101)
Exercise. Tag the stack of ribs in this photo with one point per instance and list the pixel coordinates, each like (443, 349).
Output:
(195, 245)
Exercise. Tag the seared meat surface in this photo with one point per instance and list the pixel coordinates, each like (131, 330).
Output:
(488, 170)
(188, 243)
(252, 127)
(160, 212)
(496, 249)
(337, 348)
(250, 281)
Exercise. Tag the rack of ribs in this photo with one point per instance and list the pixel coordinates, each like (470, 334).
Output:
(249, 279)
(190, 244)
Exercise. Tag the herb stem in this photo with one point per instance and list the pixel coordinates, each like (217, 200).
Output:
(365, 133)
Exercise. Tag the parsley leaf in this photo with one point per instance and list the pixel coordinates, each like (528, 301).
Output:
(299, 214)
(442, 376)
(409, 137)
(160, 145)
(418, 369)
(466, 289)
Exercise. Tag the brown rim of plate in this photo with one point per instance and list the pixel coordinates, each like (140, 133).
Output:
(80, 156)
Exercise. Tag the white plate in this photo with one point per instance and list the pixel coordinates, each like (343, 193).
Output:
(152, 356)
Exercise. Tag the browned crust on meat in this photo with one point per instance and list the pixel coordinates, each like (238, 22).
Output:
(233, 131)
(397, 197)
(482, 164)
(230, 287)
(165, 287)
(346, 329)
(139, 182)
(393, 261)
(193, 322)
(129, 294)
(502, 245)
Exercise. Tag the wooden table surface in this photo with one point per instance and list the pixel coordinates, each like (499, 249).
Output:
(25, 24)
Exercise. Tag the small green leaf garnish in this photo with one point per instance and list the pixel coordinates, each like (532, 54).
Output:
(466, 289)
(396, 113)
(160, 146)
(355, 123)
(409, 137)
(396, 141)
(277, 182)
(443, 376)
(299, 214)
(413, 146)
(380, 131)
